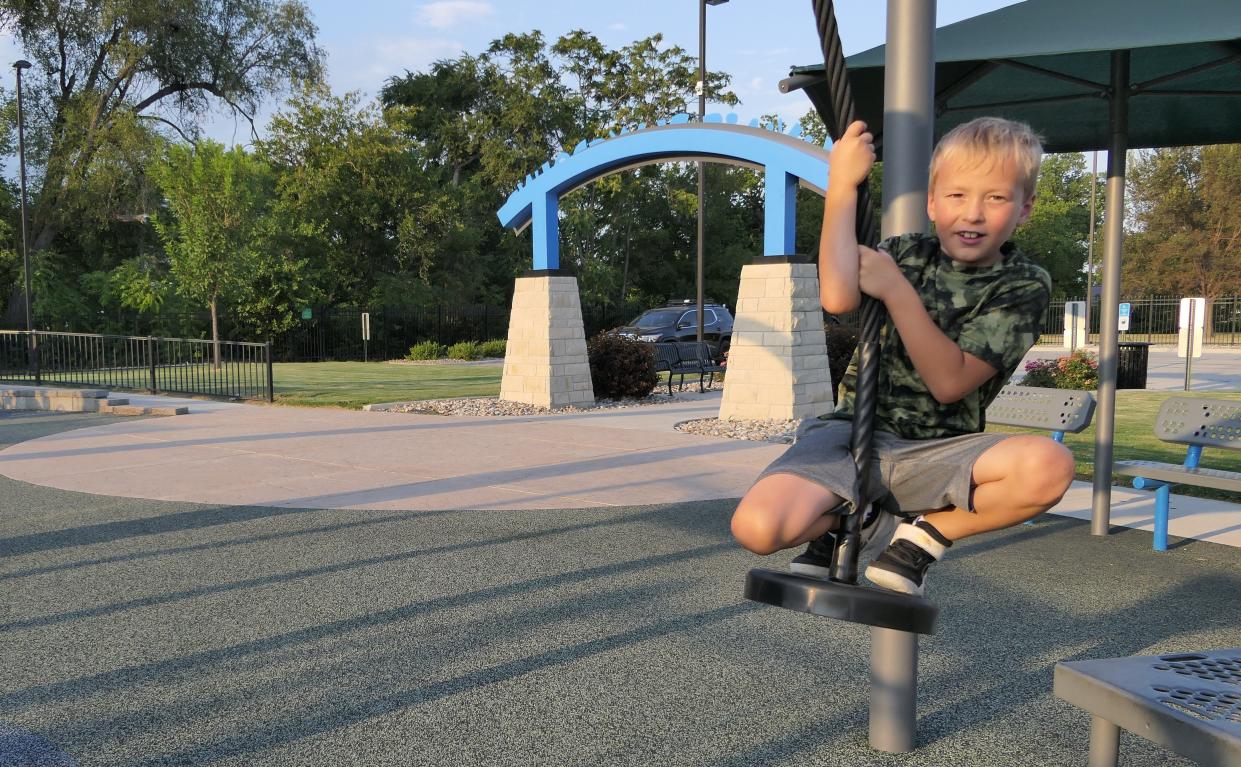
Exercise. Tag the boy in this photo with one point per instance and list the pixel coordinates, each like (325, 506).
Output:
(963, 307)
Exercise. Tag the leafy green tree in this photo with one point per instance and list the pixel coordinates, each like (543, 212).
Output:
(216, 203)
(1186, 237)
(356, 205)
(1057, 233)
(107, 74)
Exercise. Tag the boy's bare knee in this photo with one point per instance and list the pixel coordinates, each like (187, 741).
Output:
(755, 529)
(1048, 471)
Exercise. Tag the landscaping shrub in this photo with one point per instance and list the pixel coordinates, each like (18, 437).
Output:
(621, 367)
(494, 347)
(427, 350)
(466, 350)
(1079, 370)
(1041, 373)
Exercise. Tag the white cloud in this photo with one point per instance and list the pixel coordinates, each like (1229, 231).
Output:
(618, 26)
(392, 57)
(449, 13)
(756, 83)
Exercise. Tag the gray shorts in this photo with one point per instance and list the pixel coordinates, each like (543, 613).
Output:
(920, 474)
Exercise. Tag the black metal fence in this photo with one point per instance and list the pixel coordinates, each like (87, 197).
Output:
(336, 334)
(1153, 320)
(158, 365)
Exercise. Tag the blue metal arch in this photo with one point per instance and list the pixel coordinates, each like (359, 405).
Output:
(787, 162)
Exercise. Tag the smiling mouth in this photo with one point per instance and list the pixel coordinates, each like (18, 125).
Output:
(970, 237)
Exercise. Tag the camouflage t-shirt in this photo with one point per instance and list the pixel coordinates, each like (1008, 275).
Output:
(993, 312)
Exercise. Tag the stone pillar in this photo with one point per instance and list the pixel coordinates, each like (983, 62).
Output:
(777, 364)
(545, 360)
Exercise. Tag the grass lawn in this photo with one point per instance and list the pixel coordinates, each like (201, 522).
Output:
(1135, 440)
(354, 384)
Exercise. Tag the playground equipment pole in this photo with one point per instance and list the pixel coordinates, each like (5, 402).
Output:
(908, 115)
(702, 180)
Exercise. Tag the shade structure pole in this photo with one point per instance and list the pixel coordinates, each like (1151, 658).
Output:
(908, 114)
(1109, 307)
(908, 117)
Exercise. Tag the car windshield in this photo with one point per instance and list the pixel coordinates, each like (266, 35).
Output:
(657, 319)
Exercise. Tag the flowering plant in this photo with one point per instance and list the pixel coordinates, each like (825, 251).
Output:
(1079, 370)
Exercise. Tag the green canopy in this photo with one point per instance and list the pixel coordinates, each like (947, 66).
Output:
(1048, 63)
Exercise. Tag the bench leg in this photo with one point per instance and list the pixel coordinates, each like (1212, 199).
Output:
(893, 690)
(1104, 742)
(1163, 497)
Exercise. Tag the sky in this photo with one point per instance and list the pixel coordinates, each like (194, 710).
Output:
(755, 41)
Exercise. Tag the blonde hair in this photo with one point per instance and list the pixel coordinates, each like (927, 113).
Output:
(995, 139)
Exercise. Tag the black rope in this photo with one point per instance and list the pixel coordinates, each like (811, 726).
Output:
(844, 565)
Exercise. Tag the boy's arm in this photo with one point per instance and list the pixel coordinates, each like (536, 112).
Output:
(949, 373)
(851, 159)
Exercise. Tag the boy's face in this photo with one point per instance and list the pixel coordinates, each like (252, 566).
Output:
(975, 206)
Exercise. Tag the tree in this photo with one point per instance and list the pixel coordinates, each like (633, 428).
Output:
(1057, 233)
(216, 201)
(1186, 237)
(104, 72)
(483, 122)
(356, 205)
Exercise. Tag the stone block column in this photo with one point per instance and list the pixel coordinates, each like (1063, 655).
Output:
(777, 365)
(545, 360)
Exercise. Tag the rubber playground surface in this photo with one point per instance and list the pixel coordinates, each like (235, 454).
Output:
(158, 632)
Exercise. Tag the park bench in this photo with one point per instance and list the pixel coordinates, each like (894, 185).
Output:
(1196, 422)
(1056, 410)
(682, 358)
(1189, 703)
(1032, 407)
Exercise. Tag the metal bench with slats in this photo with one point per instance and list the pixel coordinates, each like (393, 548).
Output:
(1056, 410)
(1189, 703)
(1197, 422)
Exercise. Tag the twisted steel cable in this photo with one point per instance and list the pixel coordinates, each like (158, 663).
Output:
(873, 315)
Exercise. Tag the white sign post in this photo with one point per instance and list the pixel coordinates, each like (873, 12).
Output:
(1189, 338)
(1074, 324)
(366, 333)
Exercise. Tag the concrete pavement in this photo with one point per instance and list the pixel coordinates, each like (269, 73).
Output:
(241, 454)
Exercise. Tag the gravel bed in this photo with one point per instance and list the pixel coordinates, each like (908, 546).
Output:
(758, 431)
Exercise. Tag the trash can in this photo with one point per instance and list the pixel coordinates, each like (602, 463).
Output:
(1132, 358)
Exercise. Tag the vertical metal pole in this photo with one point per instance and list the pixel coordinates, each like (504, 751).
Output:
(908, 120)
(908, 114)
(1189, 342)
(152, 351)
(702, 171)
(1114, 235)
(893, 690)
(271, 385)
(21, 151)
(1094, 179)
(1104, 742)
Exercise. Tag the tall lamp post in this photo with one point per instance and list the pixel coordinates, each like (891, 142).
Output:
(18, 66)
(702, 181)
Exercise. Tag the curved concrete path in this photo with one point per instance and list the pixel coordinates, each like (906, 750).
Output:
(335, 459)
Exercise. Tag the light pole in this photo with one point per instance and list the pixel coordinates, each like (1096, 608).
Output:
(18, 66)
(702, 181)
(31, 344)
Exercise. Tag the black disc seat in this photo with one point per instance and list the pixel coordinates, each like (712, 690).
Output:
(843, 601)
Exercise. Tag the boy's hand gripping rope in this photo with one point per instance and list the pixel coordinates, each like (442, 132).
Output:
(848, 538)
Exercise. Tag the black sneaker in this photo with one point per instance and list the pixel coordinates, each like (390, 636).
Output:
(816, 560)
(902, 566)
